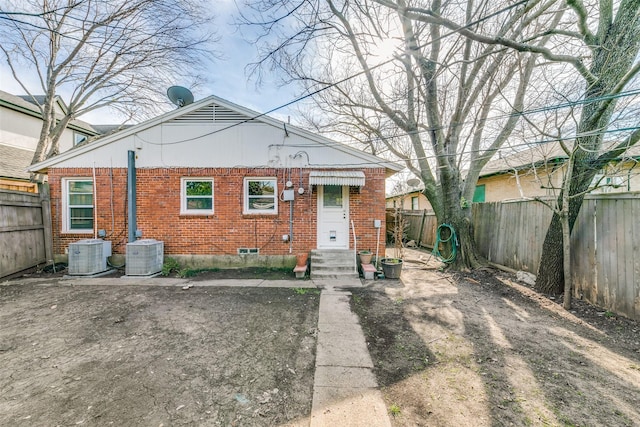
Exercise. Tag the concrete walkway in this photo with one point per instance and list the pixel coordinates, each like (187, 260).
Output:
(345, 392)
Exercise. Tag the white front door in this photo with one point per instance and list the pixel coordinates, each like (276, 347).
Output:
(333, 216)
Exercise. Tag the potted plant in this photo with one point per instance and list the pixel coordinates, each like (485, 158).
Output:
(391, 267)
(301, 259)
(365, 256)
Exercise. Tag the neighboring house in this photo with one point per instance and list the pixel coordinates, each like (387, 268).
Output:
(415, 200)
(214, 180)
(20, 127)
(539, 171)
(412, 200)
(535, 172)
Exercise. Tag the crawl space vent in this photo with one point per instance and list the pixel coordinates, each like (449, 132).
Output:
(245, 251)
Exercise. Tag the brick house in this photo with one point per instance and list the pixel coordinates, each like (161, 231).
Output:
(219, 184)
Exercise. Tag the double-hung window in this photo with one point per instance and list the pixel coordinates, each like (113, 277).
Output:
(196, 196)
(260, 196)
(77, 215)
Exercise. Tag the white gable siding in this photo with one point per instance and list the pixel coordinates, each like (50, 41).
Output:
(215, 145)
(216, 133)
(22, 131)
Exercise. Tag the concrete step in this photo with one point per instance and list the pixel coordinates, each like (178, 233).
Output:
(332, 271)
(331, 263)
(333, 256)
(331, 252)
(317, 275)
(338, 262)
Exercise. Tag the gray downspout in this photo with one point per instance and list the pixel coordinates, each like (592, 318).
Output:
(290, 226)
(131, 195)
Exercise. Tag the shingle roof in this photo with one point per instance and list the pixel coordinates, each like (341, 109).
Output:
(14, 161)
(39, 99)
(539, 155)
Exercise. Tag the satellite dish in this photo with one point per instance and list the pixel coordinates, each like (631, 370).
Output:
(413, 182)
(180, 96)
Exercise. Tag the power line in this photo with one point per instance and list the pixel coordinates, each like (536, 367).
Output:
(431, 129)
(346, 79)
(405, 134)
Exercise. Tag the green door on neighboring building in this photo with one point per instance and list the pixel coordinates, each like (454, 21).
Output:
(478, 195)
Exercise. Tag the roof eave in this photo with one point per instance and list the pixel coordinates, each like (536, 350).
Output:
(45, 164)
(390, 167)
(74, 125)
(552, 161)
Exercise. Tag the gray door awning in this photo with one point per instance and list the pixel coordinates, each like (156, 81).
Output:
(350, 178)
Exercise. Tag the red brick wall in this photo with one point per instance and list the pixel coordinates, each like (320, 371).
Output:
(222, 233)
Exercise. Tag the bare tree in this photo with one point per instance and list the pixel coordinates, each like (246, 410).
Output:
(443, 103)
(601, 41)
(549, 163)
(101, 53)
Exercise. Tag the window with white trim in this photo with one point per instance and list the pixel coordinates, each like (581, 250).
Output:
(79, 138)
(196, 196)
(77, 212)
(608, 181)
(260, 196)
(414, 203)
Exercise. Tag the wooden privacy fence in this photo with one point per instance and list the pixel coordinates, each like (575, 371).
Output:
(421, 226)
(605, 244)
(25, 230)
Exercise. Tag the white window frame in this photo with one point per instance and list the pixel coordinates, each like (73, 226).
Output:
(417, 204)
(184, 210)
(77, 134)
(66, 207)
(245, 197)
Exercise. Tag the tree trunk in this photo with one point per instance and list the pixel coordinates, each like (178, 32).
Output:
(550, 271)
(550, 279)
(468, 257)
(459, 217)
(613, 58)
(566, 259)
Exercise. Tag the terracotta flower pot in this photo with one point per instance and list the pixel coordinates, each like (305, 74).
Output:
(365, 257)
(301, 259)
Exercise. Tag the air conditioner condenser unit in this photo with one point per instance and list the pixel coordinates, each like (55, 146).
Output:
(88, 256)
(144, 257)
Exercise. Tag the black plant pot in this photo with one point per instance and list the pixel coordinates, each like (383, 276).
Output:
(391, 267)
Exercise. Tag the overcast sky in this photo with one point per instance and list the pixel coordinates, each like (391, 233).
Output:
(227, 79)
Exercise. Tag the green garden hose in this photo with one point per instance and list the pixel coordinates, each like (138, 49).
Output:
(451, 241)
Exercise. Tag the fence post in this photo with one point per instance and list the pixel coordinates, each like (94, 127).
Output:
(45, 202)
(424, 215)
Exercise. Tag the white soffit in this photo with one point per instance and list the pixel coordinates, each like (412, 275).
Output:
(350, 178)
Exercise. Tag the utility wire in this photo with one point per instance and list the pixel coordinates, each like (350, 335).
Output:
(346, 79)
(633, 92)
(330, 85)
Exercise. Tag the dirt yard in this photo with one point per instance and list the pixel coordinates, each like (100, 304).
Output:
(483, 350)
(155, 356)
(449, 350)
